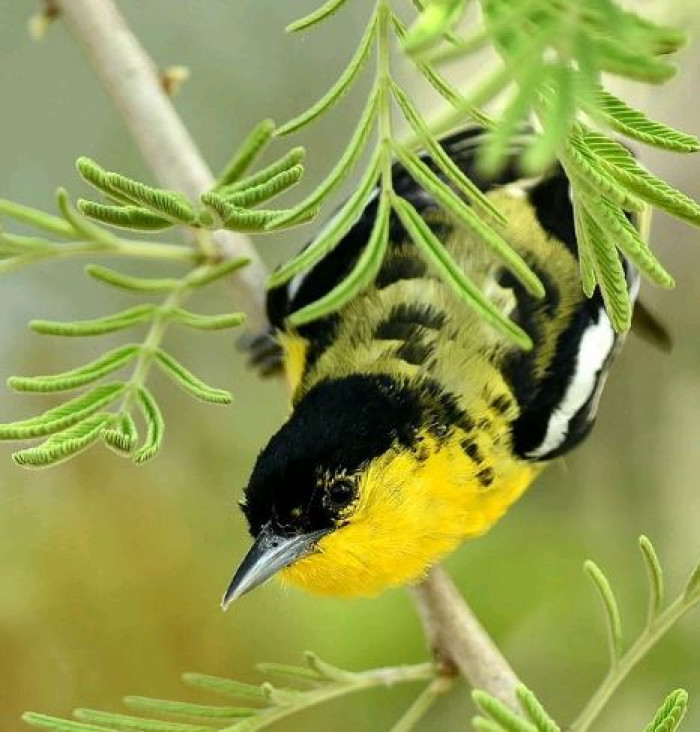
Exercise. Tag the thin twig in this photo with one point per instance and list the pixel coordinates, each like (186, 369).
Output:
(132, 82)
(458, 640)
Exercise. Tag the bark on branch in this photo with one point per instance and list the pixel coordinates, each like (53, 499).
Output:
(132, 82)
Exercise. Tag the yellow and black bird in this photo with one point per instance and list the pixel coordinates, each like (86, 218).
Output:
(415, 424)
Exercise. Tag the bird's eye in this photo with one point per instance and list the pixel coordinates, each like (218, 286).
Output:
(341, 492)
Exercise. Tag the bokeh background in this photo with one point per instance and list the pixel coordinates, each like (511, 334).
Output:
(110, 575)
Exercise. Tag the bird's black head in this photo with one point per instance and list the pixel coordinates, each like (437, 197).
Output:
(305, 477)
(306, 480)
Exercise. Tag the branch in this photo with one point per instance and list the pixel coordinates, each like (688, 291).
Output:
(131, 80)
(458, 640)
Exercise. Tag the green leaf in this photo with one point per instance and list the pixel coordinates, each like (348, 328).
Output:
(617, 228)
(189, 382)
(265, 191)
(210, 273)
(185, 709)
(692, 588)
(361, 275)
(494, 153)
(244, 219)
(559, 111)
(325, 11)
(655, 576)
(97, 326)
(288, 161)
(246, 153)
(225, 687)
(469, 219)
(619, 163)
(437, 19)
(633, 123)
(300, 673)
(500, 713)
(438, 256)
(616, 58)
(609, 603)
(535, 711)
(344, 82)
(657, 39)
(586, 257)
(81, 226)
(441, 159)
(80, 376)
(609, 273)
(443, 87)
(173, 206)
(43, 721)
(671, 713)
(26, 245)
(334, 230)
(207, 322)
(128, 282)
(342, 168)
(122, 435)
(155, 426)
(486, 725)
(581, 163)
(328, 670)
(98, 177)
(137, 724)
(64, 416)
(37, 219)
(516, 15)
(124, 217)
(64, 444)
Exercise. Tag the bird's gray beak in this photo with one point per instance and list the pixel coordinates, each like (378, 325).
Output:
(268, 555)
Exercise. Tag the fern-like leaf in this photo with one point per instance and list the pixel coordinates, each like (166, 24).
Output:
(97, 326)
(341, 86)
(361, 275)
(81, 376)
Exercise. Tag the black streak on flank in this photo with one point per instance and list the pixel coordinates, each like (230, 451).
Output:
(400, 266)
(416, 353)
(485, 477)
(501, 404)
(471, 449)
(405, 321)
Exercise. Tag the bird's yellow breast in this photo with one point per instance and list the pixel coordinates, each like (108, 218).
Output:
(415, 507)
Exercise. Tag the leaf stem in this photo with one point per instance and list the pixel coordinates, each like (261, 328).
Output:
(422, 704)
(647, 640)
(133, 248)
(384, 81)
(156, 333)
(350, 684)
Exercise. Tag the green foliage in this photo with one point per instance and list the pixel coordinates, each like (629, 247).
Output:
(316, 683)
(671, 713)
(552, 56)
(319, 682)
(534, 718)
(378, 110)
(109, 412)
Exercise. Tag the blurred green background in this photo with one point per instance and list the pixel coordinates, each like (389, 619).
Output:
(111, 575)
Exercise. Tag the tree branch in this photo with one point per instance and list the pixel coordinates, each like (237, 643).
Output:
(458, 640)
(132, 81)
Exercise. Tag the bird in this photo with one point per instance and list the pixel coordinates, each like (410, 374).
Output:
(415, 425)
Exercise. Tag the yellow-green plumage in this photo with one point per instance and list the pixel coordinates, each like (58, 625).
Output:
(425, 420)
